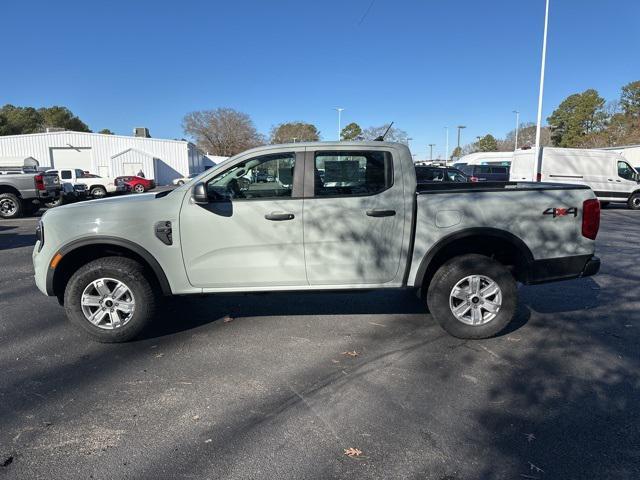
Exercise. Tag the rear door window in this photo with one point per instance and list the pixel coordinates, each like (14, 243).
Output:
(352, 173)
(65, 174)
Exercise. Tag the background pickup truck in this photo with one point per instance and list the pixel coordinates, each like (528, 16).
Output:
(24, 193)
(331, 216)
(96, 186)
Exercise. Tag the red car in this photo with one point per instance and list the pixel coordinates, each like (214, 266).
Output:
(137, 184)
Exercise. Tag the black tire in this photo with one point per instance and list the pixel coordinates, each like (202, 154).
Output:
(634, 201)
(454, 271)
(98, 192)
(125, 270)
(604, 204)
(10, 206)
(55, 203)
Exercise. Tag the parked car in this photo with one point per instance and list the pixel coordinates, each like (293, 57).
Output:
(463, 249)
(23, 189)
(97, 186)
(182, 180)
(137, 184)
(608, 173)
(486, 173)
(427, 174)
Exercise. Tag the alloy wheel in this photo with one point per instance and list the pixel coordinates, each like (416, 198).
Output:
(475, 300)
(108, 303)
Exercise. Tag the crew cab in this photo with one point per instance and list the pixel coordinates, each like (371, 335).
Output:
(365, 224)
(97, 187)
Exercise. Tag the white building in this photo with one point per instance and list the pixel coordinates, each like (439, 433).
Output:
(109, 155)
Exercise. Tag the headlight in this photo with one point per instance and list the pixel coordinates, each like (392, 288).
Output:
(40, 234)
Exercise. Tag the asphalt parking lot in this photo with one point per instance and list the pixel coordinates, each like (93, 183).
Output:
(263, 386)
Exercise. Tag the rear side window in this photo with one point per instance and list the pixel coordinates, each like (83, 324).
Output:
(352, 173)
(65, 174)
(483, 169)
(456, 176)
(467, 169)
(425, 174)
(500, 170)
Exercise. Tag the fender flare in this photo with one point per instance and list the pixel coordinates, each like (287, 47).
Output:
(119, 242)
(444, 242)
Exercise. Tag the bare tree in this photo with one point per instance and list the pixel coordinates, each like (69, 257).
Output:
(294, 132)
(394, 134)
(223, 131)
(526, 137)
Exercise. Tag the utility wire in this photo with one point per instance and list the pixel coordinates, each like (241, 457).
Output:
(367, 12)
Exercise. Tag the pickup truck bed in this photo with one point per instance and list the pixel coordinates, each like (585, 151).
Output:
(331, 216)
(23, 193)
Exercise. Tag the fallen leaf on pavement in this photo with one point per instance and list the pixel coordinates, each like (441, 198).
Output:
(352, 452)
(227, 319)
(352, 353)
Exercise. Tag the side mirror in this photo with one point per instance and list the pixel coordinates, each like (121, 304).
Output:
(200, 194)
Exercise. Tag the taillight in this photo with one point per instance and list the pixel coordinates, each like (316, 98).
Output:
(474, 179)
(538, 177)
(39, 179)
(590, 218)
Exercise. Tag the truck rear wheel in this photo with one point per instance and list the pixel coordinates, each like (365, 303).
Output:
(10, 206)
(634, 201)
(110, 299)
(473, 296)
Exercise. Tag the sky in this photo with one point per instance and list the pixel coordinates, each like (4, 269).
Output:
(423, 64)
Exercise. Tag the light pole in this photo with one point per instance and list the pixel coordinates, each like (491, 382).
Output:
(339, 110)
(544, 59)
(431, 145)
(460, 127)
(517, 128)
(446, 151)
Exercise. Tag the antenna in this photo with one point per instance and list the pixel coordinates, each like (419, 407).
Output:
(381, 137)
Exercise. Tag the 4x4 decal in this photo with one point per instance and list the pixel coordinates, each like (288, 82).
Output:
(561, 212)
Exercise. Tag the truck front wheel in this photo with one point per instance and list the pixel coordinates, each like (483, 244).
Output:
(634, 201)
(472, 296)
(98, 192)
(110, 299)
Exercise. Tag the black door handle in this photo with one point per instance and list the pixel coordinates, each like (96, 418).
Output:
(381, 213)
(279, 217)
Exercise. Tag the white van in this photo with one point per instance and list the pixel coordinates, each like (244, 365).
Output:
(608, 174)
(486, 158)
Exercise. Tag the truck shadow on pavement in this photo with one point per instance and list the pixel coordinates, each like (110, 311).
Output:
(15, 240)
(180, 314)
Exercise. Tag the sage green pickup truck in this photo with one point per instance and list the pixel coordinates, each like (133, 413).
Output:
(316, 217)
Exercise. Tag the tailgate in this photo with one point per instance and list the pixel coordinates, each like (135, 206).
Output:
(51, 183)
